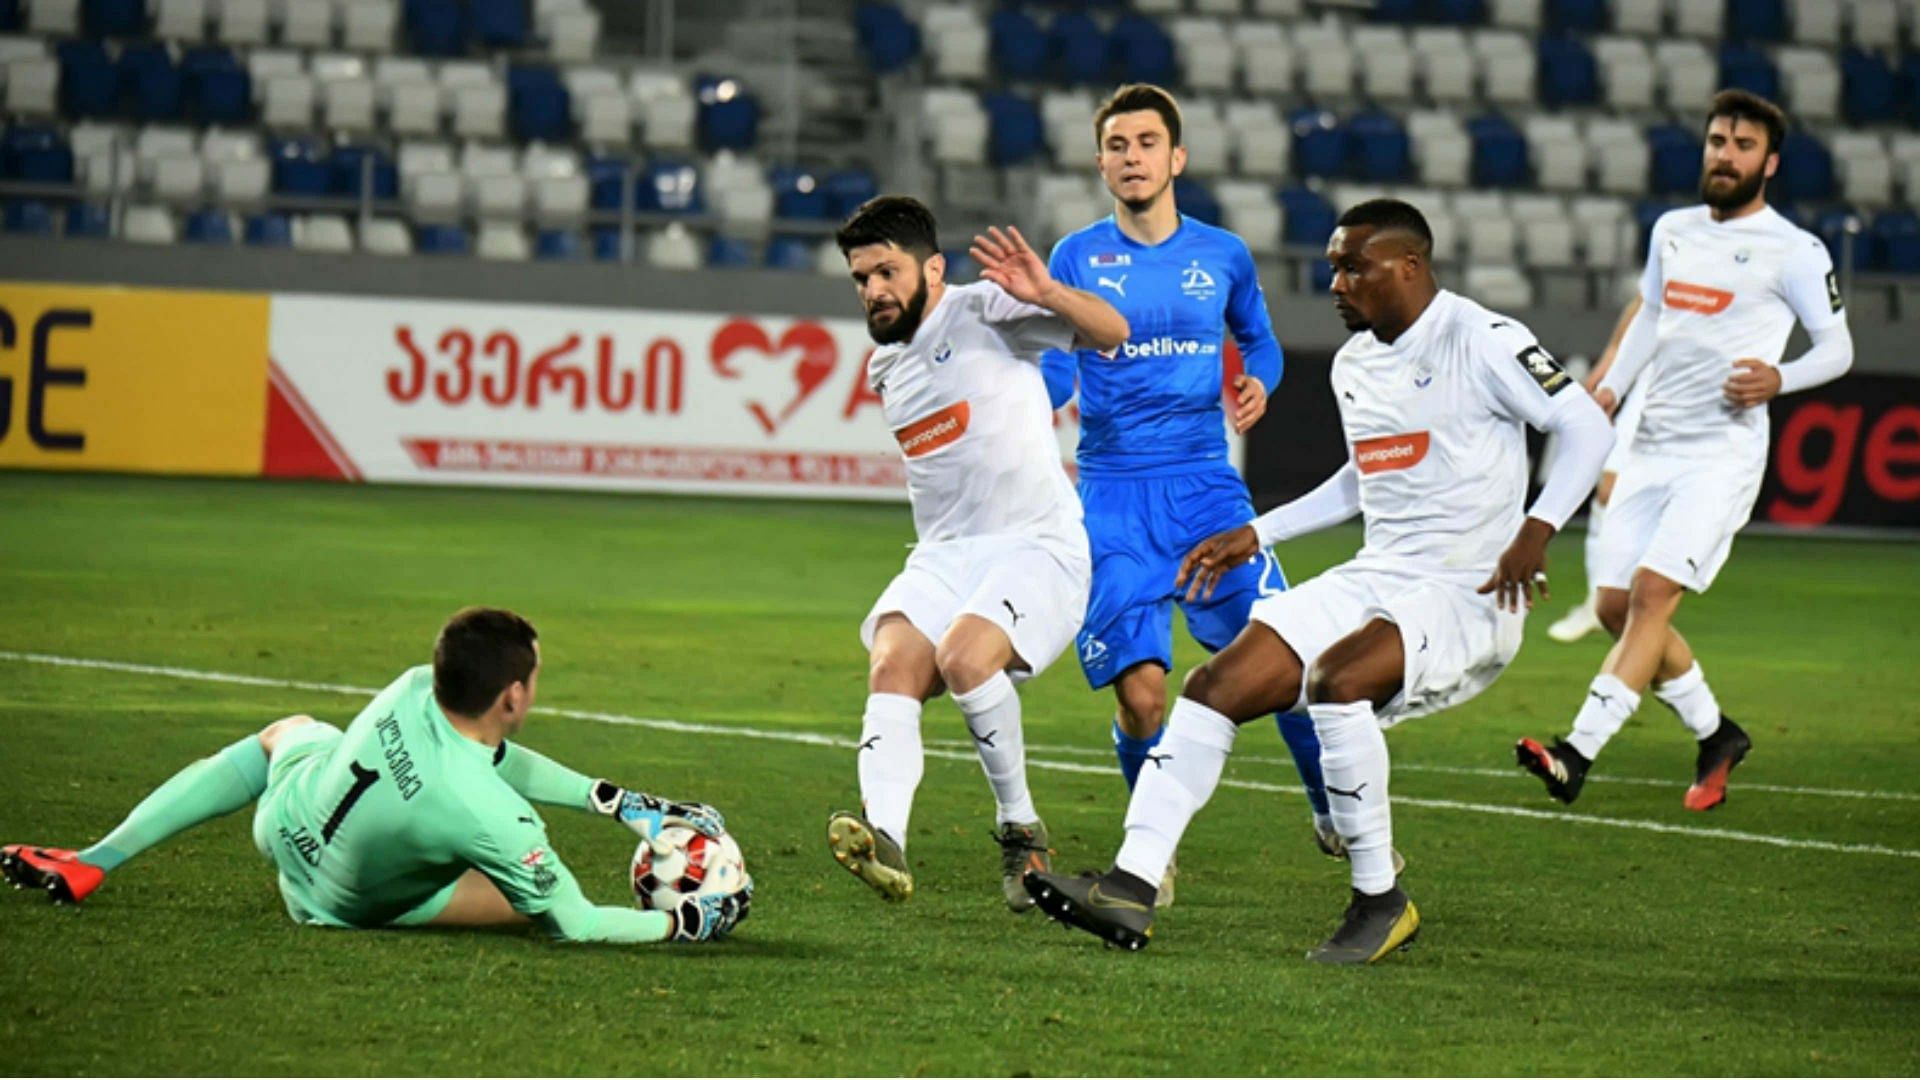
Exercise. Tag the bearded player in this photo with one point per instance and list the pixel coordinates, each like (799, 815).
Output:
(1435, 395)
(997, 584)
(419, 814)
(1723, 285)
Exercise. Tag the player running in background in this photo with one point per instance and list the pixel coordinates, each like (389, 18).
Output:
(1723, 285)
(1154, 473)
(1584, 617)
(1435, 395)
(997, 584)
(418, 814)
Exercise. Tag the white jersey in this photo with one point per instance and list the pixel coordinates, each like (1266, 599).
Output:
(1724, 291)
(966, 400)
(1436, 423)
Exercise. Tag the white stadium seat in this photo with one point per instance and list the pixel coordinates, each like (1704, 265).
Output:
(605, 119)
(386, 236)
(368, 25)
(1865, 168)
(1253, 214)
(1627, 71)
(60, 17)
(1548, 236)
(484, 159)
(180, 20)
(1217, 7)
(33, 87)
(307, 23)
(502, 240)
(1263, 146)
(1516, 14)
(1442, 152)
(1204, 135)
(1619, 154)
(1279, 9)
(673, 248)
(264, 64)
(1605, 226)
(179, 178)
(560, 200)
(1205, 53)
(1502, 288)
(107, 170)
(1815, 22)
(149, 225)
(1507, 66)
(1697, 20)
(241, 180)
(479, 111)
(457, 73)
(499, 198)
(1446, 63)
(1266, 57)
(220, 144)
(1559, 154)
(436, 199)
(1326, 59)
(421, 158)
(325, 234)
(1642, 17)
(540, 161)
(242, 22)
(1066, 117)
(1492, 237)
(325, 66)
(414, 108)
(574, 35)
(1387, 74)
(1689, 73)
(346, 105)
(1811, 80)
(667, 121)
(157, 142)
(1874, 24)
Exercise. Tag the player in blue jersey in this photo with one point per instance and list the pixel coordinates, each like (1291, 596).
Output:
(1154, 473)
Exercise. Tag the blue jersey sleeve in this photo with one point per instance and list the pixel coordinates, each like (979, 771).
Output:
(1061, 368)
(1252, 327)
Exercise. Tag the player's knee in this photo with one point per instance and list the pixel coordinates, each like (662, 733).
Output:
(271, 735)
(964, 665)
(1610, 607)
(1653, 597)
(896, 671)
(1334, 684)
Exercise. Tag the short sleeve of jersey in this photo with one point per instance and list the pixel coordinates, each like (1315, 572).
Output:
(1652, 284)
(509, 844)
(1808, 285)
(1525, 381)
(1028, 330)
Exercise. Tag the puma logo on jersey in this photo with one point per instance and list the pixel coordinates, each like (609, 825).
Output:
(1699, 299)
(1008, 604)
(1118, 285)
(1390, 452)
(936, 430)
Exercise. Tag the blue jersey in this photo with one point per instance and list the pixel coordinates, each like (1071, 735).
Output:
(1154, 408)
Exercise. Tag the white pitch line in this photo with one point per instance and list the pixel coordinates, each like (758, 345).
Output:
(806, 738)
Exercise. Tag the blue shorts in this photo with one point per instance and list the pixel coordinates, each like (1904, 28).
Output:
(1139, 530)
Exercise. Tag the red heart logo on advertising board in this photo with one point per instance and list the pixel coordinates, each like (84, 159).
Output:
(817, 356)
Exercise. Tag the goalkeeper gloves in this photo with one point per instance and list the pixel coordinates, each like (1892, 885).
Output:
(647, 815)
(705, 918)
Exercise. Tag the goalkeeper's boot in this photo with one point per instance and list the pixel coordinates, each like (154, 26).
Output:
(1562, 768)
(1023, 848)
(1334, 846)
(1578, 622)
(57, 871)
(1373, 927)
(1115, 907)
(869, 854)
(1719, 753)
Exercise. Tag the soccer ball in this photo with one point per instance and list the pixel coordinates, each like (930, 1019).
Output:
(681, 862)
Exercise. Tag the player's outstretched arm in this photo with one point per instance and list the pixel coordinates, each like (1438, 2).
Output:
(1008, 261)
(1336, 500)
(541, 779)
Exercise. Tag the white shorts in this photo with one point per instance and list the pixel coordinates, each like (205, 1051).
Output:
(1626, 425)
(1676, 516)
(1457, 642)
(1033, 589)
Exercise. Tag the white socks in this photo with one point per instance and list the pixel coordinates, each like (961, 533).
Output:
(1606, 709)
(1353, 758)
(1692, 700)
(891, 762)
(1176, 782)
(992, 710)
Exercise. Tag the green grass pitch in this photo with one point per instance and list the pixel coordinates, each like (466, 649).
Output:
(1776, 935)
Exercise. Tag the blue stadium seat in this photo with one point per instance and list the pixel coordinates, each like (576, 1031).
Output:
(436, 27)
(1309, 216)
(347, 174)
(1867, 88)
(846, 190)
(299, 167)
(1806, 170)
(208, 227)
(558, 245)
(1567, 73)
(36, 155)
(1080, 52)
(10, 20)
(500, 24)
(1587, 16)
(669, 186)
(1018, 46)
(1014, 134)
(1380, 148)
(1400, 11)
(442, 240)
(1142, 52)
(28, 217)
(1196, 200)
(1757, 20)
(606, 243)
(887, 38)
(605, 177)
(88, 221)
(1831, 227)
(217, 89)
(1896, 238)
(538, 105)
(1746, 67)
(798, 194)
(730, 252)
(1460, 12)
(1675, 160)
(1645, 213)
(960, 266)
(150, 83)
(1499, 152)
(269, 230)
(113, 18)
(729, 117)
(1319, 143)
(790, 253)
(88, 85)
(1907, 89)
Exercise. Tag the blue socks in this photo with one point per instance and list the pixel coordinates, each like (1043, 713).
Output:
(204, 790)
(1297, 730)
(1133, 752)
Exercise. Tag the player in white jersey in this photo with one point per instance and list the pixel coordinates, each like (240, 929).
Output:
(1435, 395)
(997, 585)
(1723, 285)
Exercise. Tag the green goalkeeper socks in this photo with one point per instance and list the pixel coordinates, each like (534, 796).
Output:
(207, 789)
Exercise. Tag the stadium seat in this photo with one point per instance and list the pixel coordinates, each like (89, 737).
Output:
(574, 36)
(887, 40)
(54, 17)
(1515, 14)
(1874, 24)
(1078, 52)
(1206, 53)
(1326, 59)
(1757, 20)
(299, 167)
(217, 89)
(1867, 88)
(1063, 202)
(241, 22)
(957, 42)
(1380, 149)
(322, 234)
(797, 193)
(1492, 235)
(1013, 132)
(1388, 73)
(1746, 67)
(413, 108)
(150, 82)
(36, 155)
(88, 83)
(1806, 169)
(604, 241)
(607, 182)
(241, 181)
(210, 227)
(270, 229)
(1446, 64)
(1262, 143)
(1620, 155)
(1502, 288)
(88, 221)
(368, 25)
(113, 18)
(1811, 81)
(1548, 237)
(1696, 20)
(288, 103)
(1559, 154)
(1585, 16)
(1309, 217)
(561, 200)
(1499, 152)
(28, 217)
(362, 171)
(1604, 228)
(1066, 119)
(502, 241)
(667, 120)
(1568, 72)
(1141, 51)
(671, 187)
(308, 24)
(436, 27)
(264, 64)
(1205, 136)
(1675, 155)
(558, 245)
(1866, 169)
(1441, 147)
(794, 253)
(479, 110)
(1319, 144)
(1248, 208)
(386, 236)
(846, 190)
(672, 248)
(1020, 49)
(1508, 66)
(729, 116)
(1816, 22)
(1266, 57)
(1628, 76)
(347, 106)
(1196, 200)
(1896, 242)
(539, 106)
(442, 239)
(1688, 73)
(729, 252)
(500, 24)
(149, 225)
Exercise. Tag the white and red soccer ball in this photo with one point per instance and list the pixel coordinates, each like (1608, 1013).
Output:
(680, 862)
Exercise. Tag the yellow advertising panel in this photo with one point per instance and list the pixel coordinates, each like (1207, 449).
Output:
(132, 380)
